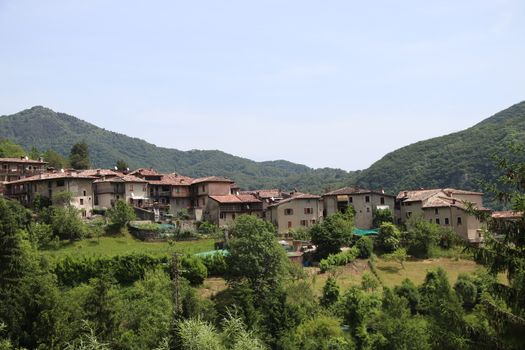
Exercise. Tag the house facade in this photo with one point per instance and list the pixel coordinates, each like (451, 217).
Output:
(446, 207)
(49, 184)
(12, 169)
(301, 210)
(203, 188)
(365, 203)
(129, 188)
(222, 210)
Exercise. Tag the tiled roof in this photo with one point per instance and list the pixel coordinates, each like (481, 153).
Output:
(145, 172)
(239, 198)
(509, 214)
(53, 176)
(297, 196)
(21, 160)
(353, 191)
(100, 172)
(172, 180)
(270, 193)
(212, 179)
(122, 178)
(417, 195)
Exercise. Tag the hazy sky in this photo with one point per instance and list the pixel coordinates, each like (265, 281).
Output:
(322, 83)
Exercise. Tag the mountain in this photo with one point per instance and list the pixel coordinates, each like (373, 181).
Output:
(461, 159)
(45, 129)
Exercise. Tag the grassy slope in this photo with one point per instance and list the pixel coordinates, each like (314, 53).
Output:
(120, 245)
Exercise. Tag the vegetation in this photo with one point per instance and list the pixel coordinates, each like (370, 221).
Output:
(332, 233)
(121, 214)
(79, 156)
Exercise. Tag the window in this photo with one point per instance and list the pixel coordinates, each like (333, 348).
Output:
(233, 216)
(459, 220)
(446, 221)
(304, 222)
(84, 193)
(289, 224)
(367, 199)
(313, 222)
(222, 216)
(438, 222)
(60, 183)
(382, 200)
(131, 187)
(96, 200)
(203, 188)
(368, 209)
(350, 200)
(308, 210)
(409, 214)
(436, 211)
(288, 211)
(81, 201)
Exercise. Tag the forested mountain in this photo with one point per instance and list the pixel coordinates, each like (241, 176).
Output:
(459, 160)
(45, 129)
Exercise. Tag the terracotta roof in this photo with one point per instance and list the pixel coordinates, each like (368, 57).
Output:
(455, 191)
(21, 160)
(233, 198)
(296, 196)
(53, 176)
(121, 178)
(100, 172)
(353, 191)
(417, 195)
(271, 193)
(509, 214)
(145, 172)
(212, 179)
(172, 180)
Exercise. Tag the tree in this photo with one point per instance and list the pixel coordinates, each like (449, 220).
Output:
(121, 214)
(330, 293)
(388, 237)
(466, 290)
(365, 246)
(67, 224)
(100, 306)
(421, 236)
(399, 256)
(381, 216)
(409, 291)
(332, 233)
(55, 160)
(121, 165)
(369, 282)
(9, 149)
(254, 254)
(79, 156)
(503, 250)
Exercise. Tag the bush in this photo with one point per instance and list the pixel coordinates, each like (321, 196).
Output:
(193, 269)
(467, 290)
(215, 264)
(420, 237)
(365, 245)
(381, 216)
(388, 238)
(121, 214)
(339, 259)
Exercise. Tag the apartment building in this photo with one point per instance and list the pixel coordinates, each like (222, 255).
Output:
(365, 202)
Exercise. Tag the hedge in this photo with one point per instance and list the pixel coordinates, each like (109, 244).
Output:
(338, 259)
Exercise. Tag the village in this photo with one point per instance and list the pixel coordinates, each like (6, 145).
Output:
(218, 200)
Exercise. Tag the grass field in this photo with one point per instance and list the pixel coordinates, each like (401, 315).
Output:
(390, 273)
(126, 244)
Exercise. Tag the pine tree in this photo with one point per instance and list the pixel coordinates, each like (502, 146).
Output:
(79, 157)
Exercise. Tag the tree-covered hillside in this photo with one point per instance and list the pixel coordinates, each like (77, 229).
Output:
(459, 160)
(45, 129)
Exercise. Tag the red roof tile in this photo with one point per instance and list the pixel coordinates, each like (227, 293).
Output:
(53, 176)
(239, 198)
(172, 180)
(212, 179)
(21, 160)
(509, 214)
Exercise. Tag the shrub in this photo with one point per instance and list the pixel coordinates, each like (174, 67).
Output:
(193, 269)
(467, 290)
(215, 264)
(388, 238)
(420, 237)
(365, 245)
(330, 293)
(121, 214)
(339, 259)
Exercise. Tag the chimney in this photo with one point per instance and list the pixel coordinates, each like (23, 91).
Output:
(405, 194)
(98, 171)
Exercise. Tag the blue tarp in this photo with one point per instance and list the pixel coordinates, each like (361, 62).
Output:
(359, 232)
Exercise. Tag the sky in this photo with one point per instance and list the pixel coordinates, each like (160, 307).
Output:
(322, 83)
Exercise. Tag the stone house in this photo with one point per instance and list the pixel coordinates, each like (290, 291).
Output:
(365, 203)
(301, 210)
(221, 210)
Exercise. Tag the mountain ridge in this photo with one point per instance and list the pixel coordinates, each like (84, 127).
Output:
(461, 159)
